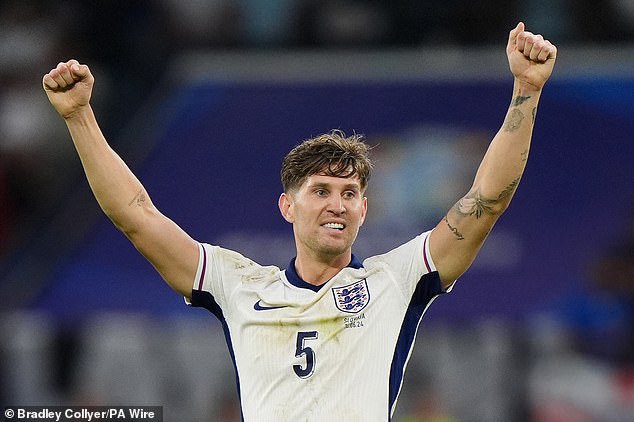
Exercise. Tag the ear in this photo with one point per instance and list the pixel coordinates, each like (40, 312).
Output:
(285, 203)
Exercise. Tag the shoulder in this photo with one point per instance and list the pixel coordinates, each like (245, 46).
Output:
(226, 261)
(220, 255)
(414, 250)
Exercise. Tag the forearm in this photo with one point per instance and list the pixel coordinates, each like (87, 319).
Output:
(463, 230)
(459, 236)
(117, 190)
(505, 160)
(119, 193)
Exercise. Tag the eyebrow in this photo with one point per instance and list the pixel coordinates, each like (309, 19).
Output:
(348, 186)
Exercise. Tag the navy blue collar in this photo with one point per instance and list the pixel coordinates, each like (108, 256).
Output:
(296, 280)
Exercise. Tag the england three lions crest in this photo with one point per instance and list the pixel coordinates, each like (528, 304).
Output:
(353, 297)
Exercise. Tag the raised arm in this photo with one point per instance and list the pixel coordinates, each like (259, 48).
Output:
(119, 193)
(458, 237)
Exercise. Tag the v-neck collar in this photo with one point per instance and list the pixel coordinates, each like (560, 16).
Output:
(297, 281)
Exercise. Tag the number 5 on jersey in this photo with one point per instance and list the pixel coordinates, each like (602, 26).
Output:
(302, 350)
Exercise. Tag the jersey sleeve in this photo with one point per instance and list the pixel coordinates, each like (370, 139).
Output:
(411, 264)
(219, 274)
(208, 290)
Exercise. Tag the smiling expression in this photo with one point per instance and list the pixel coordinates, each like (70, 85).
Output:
(326, 213)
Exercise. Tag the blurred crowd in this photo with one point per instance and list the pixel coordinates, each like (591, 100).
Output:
(130, 43)
(586, 342)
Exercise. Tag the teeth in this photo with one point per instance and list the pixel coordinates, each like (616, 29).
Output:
(334, 226)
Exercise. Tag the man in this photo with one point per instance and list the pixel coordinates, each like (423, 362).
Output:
(329, 337)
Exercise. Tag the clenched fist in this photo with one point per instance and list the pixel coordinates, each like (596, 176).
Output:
(531, 57)
(68, 87)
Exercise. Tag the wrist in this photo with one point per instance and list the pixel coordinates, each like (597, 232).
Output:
(524, 88)
(79, 114)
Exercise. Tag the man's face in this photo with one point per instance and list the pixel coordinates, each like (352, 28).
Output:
(326, 213)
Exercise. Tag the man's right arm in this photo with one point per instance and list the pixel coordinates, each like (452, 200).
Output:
(119, 193)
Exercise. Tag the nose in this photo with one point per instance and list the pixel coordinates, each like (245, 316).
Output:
(336, 205)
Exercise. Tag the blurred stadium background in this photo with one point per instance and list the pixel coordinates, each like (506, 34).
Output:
(203, 98)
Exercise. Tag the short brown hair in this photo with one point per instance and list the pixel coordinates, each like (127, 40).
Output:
(331, 154)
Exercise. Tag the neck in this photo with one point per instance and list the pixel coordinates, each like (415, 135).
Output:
(318, 271)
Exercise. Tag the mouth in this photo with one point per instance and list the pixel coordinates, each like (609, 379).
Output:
(335, 226)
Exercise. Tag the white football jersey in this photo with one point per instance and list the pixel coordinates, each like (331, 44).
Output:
(335, 352)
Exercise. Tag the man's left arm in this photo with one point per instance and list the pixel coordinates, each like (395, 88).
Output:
(458, 237)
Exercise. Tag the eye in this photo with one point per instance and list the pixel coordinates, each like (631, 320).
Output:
(349, 194)
(321, 192)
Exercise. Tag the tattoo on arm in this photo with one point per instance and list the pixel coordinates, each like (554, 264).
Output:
(475, 204)
(515, 116)
(520, 100)
(454, 230)
(513, 120)
(524, 155)
(138, 199)
(508, 191)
